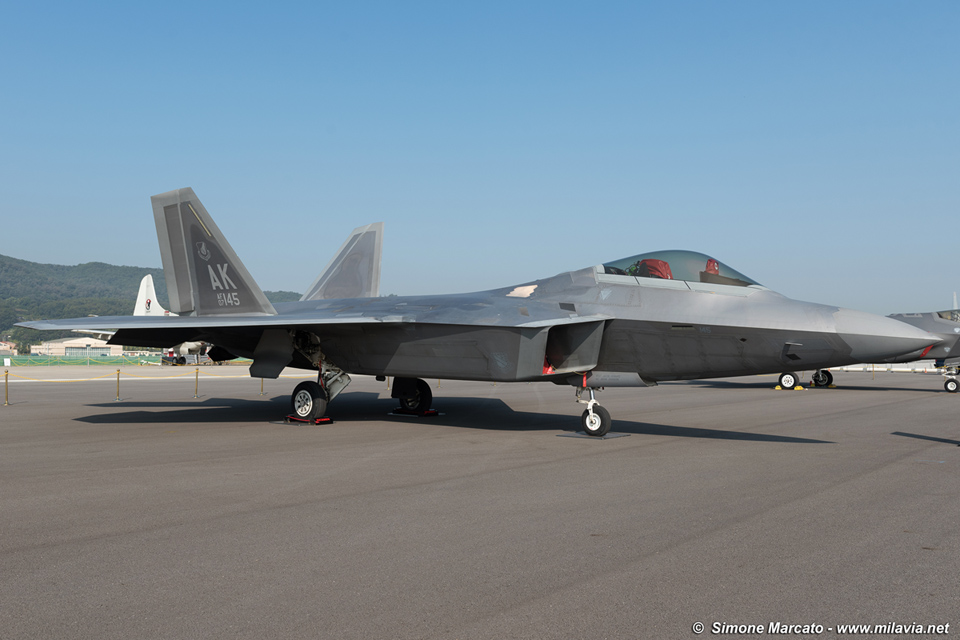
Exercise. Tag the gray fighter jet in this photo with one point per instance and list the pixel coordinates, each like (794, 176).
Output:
(946, 355)
(673, 315)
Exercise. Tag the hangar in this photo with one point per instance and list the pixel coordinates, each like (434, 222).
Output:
(79, 347)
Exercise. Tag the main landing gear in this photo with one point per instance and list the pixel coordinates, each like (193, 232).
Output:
(414, 395)
(821, 378)
(788, 380)
(596, 420)
(951, 385)
(309, 400)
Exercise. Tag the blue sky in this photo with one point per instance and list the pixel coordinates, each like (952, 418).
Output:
(814, 146)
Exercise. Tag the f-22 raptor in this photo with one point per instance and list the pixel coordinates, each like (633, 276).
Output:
(634, 322)
(946, 355)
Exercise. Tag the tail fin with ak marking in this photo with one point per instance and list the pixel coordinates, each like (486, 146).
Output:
(204, 275)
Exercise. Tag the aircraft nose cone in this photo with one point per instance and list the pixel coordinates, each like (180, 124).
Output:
(874, 338)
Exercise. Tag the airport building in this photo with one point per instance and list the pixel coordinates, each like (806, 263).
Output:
(79, 347)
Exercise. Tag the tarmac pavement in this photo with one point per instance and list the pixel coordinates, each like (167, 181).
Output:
(168, 516)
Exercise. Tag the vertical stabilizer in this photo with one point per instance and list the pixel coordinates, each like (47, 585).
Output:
(354, 272)
(204, 275)
(147, 304)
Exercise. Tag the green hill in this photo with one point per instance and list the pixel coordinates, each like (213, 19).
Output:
(34, 291)
(49, 282)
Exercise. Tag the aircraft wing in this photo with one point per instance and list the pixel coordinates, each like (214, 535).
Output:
(258, 323)
(179, 323)
(435, 336)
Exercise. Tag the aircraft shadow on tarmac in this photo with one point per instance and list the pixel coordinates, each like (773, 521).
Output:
(213, 410)
(938, 388)
(730, 384)
(921, 437)
(725, 384)
(491, 414)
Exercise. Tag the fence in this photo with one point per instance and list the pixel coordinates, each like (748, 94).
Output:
(195, 373)
(92, 361)
(88, 361)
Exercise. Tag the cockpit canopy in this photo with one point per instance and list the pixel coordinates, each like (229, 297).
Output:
(679, 265)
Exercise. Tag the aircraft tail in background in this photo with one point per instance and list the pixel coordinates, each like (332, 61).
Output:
(147, 304)
(354, 272)
(204, 275)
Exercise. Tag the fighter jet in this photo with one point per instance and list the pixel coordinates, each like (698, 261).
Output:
(945, 325)
(946, 355)
(637, 321)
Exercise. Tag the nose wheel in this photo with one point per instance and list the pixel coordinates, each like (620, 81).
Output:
(951, 385)
(595, 420)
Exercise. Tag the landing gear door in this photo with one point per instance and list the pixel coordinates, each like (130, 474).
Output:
(574, 347)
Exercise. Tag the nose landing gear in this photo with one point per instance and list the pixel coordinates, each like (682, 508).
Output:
(596, 420)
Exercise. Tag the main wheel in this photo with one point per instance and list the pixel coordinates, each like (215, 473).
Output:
(788, 380)
(181, 361)
(420, 402)
(951, 385)
(597, 423)
(309, 401)
(822, 378)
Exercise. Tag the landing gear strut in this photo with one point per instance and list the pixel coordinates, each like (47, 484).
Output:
(309, 400)
(595, 420)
